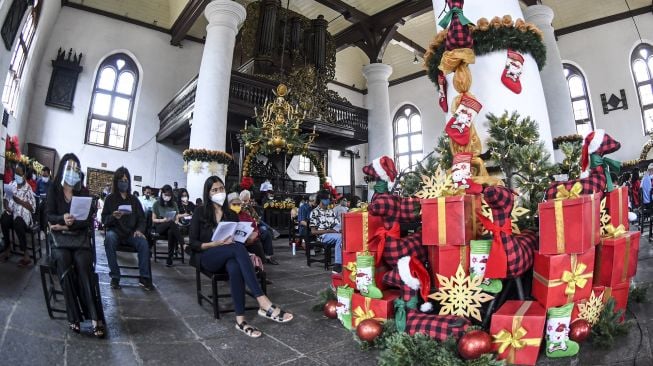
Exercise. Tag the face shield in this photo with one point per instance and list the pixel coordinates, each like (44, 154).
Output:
(71, 175)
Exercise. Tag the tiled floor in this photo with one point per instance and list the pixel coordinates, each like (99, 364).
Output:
(168, 327)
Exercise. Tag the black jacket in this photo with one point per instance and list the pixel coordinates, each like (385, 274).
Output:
(57, 207)
(201, 231)
(127, 224)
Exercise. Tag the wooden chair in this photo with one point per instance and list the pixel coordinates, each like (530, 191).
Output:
(312, 242)
(214, 298)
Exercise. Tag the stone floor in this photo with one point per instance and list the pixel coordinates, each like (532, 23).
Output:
(168, 327)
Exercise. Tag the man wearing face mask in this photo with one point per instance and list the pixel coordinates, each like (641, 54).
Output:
(147, 201)
(304, 214)
(323, 223)
(124, 219)
(43, 183)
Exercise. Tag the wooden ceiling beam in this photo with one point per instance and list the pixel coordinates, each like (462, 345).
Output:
(419, 50)
(188, 16)
(348, 12)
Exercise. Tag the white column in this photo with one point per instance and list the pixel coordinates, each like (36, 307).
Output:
(486, 76)
(554, 82)
(209, 129)
(379, 122)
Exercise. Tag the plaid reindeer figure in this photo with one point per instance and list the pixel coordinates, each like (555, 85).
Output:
(408, 316)
(596, 168)
(511, 254)
(459, 35)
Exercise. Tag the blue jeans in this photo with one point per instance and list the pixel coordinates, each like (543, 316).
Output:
(334, 239)
(111, 242)
(234, 259)
(266, 240)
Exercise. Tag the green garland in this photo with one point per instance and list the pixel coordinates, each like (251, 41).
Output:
(493, 39)
(609, 326)
(207, 156)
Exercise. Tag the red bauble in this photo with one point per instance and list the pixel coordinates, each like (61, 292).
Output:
(474, 344)
(369, 329)
(579, 330)
(330, 309)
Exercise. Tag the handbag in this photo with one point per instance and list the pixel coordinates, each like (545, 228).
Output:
(70, 240)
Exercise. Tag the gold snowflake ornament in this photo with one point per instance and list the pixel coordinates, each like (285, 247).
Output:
(605, 217)
(591, 309)
(439, 184)
(461, 295)
(516, 213)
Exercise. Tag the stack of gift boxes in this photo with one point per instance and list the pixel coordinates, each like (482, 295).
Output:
(355, 305)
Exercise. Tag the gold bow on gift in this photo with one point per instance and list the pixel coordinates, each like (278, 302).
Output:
(361, 208)
(576, 278)
(352, 267)
(360, 314)
(614, 232)
(515, 340)
(574, 192)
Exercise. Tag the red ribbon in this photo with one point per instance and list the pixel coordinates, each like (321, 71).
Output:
(497, 262)
(379, 238)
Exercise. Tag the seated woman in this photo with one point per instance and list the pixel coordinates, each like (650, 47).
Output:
(165, 217)
(74, 264)
(186, 207)
(18, 214)
(248, 213)
(225, 255)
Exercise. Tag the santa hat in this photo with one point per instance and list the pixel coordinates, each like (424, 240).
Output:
(515, 56)
(415, 276)
(382, 168)
(591, 144)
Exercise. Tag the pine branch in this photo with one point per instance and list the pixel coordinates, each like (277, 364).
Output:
(323, 297)
(609, 326)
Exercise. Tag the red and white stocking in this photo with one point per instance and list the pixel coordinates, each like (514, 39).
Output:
(512, 71)
(442, 93)
(461, 173)
(458, 126)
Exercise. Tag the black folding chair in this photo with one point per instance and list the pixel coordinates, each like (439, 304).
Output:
(314, 244)
(214, 298)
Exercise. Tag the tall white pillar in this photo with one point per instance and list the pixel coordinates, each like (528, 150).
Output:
(209, 127)
(486, 76)
(379, 122)
(554, 82)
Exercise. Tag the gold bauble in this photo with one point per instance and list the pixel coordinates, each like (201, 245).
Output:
(282, 90)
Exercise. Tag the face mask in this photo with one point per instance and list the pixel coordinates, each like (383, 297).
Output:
(71, 178)
(270, 197)
(167, 198)
(19, 180)
(45, 179)
(123, 187)
(326, 202)
(184, 199)
(147, 196)
(218, 198)
(235, 208)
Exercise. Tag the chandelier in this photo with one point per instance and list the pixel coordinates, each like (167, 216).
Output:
(277, 127)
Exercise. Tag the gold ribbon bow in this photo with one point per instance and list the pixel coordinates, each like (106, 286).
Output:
(614, 232)
(360, 314)
(352, 267)
(575, 278)
(515, 340)
(574, 192)
(361, 208)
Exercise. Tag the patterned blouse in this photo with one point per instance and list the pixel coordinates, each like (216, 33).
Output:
(24, 193)
(323, 219)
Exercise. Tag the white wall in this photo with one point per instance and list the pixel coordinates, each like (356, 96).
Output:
(603, 54)
(164, 70)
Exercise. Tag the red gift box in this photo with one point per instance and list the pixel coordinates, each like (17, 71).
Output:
(618, 292)
(569, 226)
(337, 280)
(357, 229)
(562, 278)
(366, 308)
(349, 271)
(617, 206)
(616, 259)
(445, 261)
(517, 329)
(450, 220)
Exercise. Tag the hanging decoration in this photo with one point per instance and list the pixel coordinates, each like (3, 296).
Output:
(461, 295)
(212, 160)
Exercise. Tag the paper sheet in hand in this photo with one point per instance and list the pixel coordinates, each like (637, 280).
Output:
(9, 191)
(243, 230)
(80, 207)
(125, 209)
(240, 231)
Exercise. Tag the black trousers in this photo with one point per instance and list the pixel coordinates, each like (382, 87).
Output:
(8, 222)
(75, 270)
(171, 229)
(256, 248)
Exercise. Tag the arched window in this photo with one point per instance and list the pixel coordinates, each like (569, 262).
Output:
(641, 62)
(110, 114)
(580, 100)
(408, 137)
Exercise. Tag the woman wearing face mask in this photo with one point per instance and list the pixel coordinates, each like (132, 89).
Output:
(74, 266)
(164, 224)
(18, 214)
(225, 255)
(186, 207)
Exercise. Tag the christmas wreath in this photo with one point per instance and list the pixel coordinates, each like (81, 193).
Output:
(207, 156)
(489, 36)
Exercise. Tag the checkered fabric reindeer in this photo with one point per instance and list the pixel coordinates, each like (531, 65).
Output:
(394, 210)
(413, 282)
(596, 168)
(458, 35)
(511, 254)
